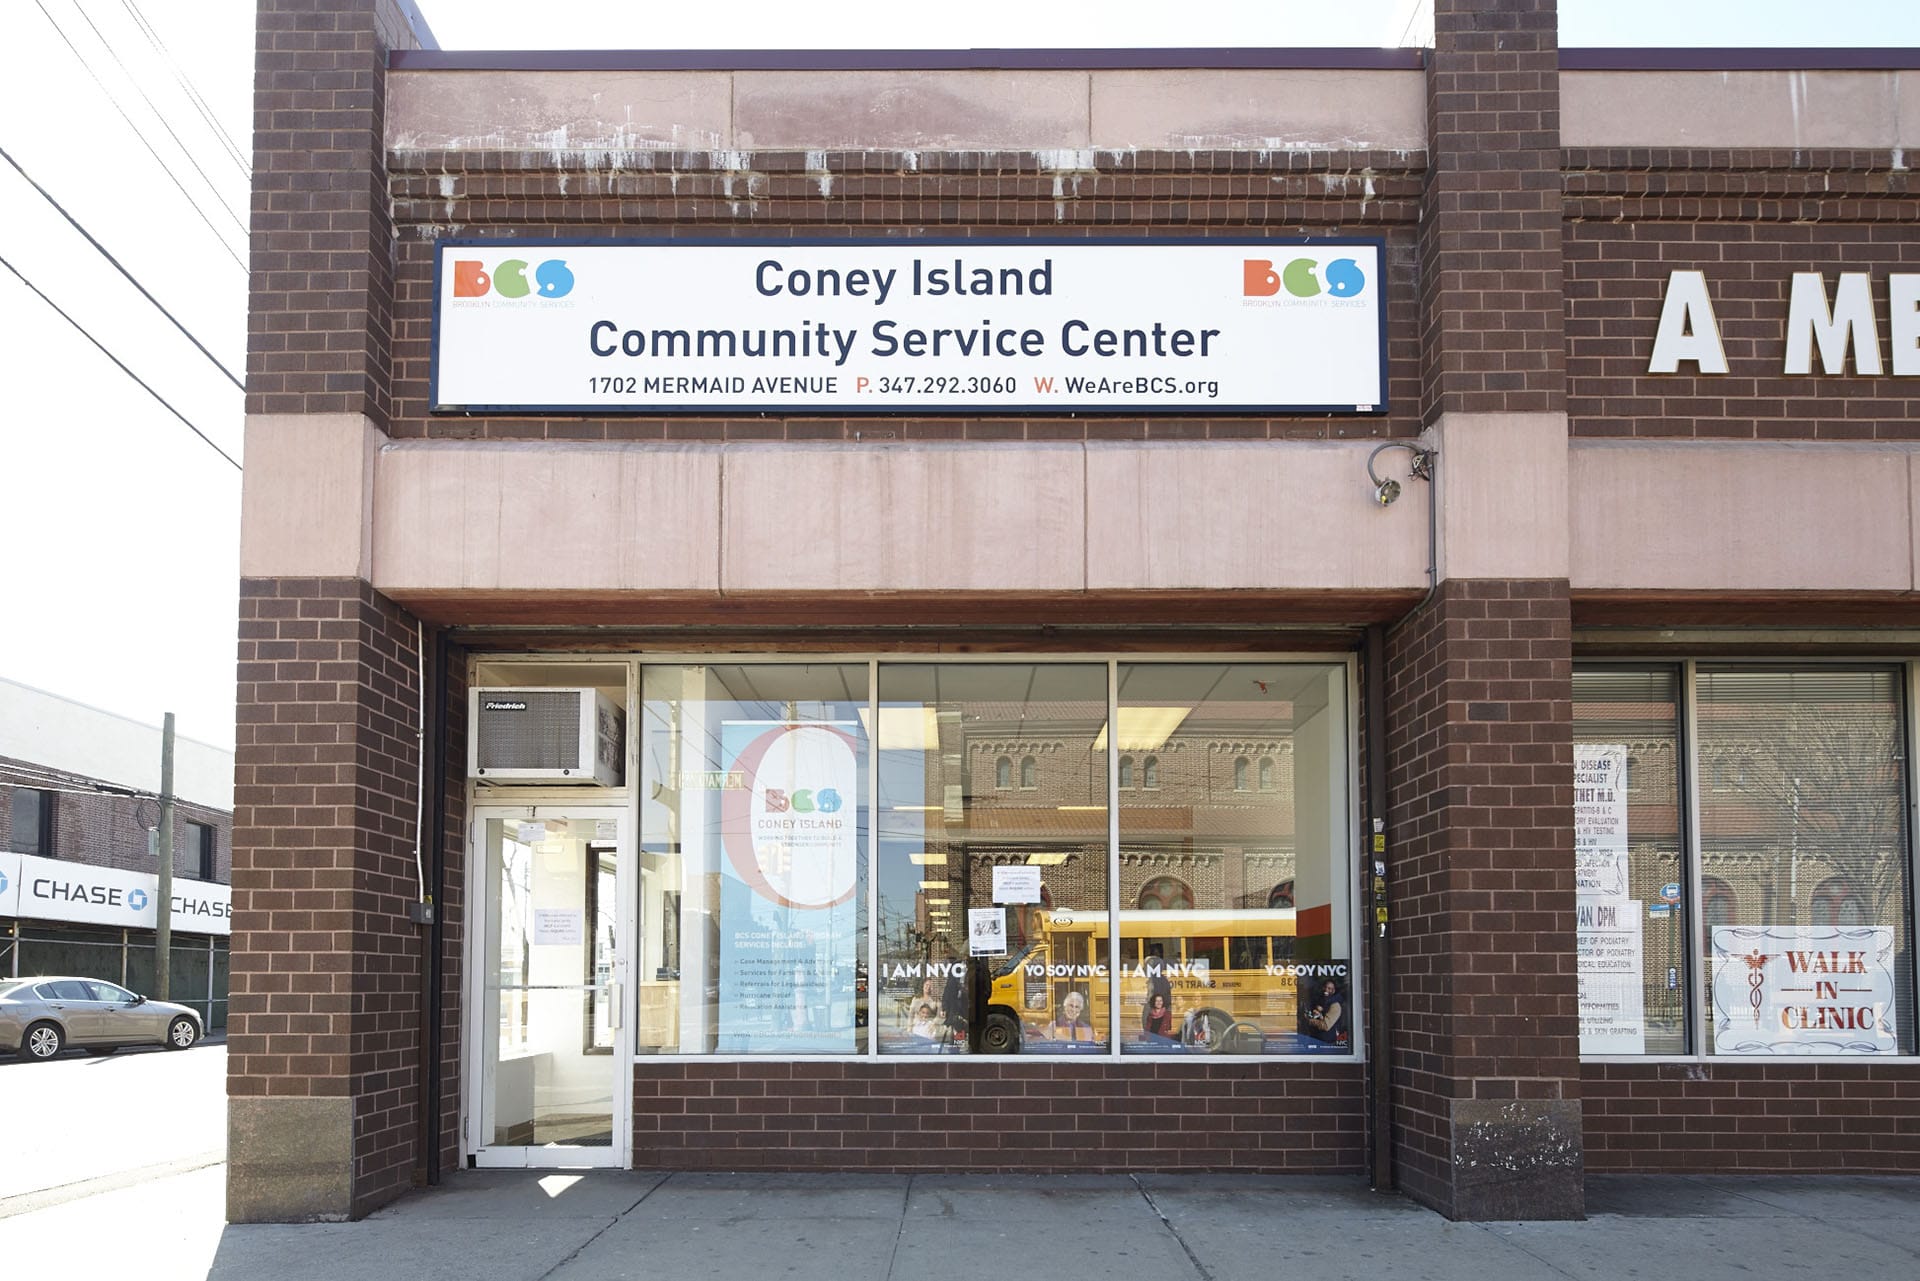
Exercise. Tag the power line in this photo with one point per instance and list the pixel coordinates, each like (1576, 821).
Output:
(187, 87)
(159, 115)
(117, 361)
(167, 169)
(104, 253)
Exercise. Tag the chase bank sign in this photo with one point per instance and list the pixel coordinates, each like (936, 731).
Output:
(53, 890)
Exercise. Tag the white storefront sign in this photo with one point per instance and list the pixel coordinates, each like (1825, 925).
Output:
(1804, 989)
(1613, 1017)
(54, 890)
(922, 326)
(1600, 819)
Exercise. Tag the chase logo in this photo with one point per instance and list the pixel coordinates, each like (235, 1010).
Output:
(3, 882)
(137, 900)
(1303, 278)
(551, 279)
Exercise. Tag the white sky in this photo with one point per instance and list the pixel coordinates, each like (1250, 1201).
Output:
(120, 528)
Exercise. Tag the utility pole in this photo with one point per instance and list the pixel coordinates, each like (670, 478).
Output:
(163, 910)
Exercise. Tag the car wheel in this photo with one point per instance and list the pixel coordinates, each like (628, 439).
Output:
(43, 1041)
(181, 1033)
(1000, 1034)
(101, 1051)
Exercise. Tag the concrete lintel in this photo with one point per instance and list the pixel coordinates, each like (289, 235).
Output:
(1227, 515)
(306, 500)
(1840, 109)
(1503, 495)
(1743, 516)
(620, 115)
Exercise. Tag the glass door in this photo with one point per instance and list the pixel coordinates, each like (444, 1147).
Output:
(553, 1048)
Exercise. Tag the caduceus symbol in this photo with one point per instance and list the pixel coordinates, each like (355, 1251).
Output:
(1756, 980)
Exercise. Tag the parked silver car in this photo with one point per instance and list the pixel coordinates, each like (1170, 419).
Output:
(39, 1017)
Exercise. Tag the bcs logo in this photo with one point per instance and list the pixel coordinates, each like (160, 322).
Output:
(1301, 278)
(803, 801)
(552, 278)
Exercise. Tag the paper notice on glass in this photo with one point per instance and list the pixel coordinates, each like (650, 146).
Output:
(1804, 989)
(559, 925)
(1612, 976)
(1600, 819)
(987, 931)
(1016, 885)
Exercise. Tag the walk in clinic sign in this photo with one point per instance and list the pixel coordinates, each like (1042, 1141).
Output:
(1269, 326)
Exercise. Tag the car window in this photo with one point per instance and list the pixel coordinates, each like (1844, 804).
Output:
(68, 990)
(8, 989)
(109, 992)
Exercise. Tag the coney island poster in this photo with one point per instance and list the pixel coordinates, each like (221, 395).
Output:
(1804, 989)
(789, 927)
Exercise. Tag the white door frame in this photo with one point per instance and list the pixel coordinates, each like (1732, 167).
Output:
(474, 1080)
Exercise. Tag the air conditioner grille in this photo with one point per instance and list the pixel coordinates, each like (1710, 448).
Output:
(530, 727)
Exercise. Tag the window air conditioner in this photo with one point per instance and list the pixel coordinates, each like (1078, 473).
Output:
(546, 736)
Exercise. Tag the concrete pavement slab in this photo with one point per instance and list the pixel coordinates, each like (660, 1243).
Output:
(963, 1229)
(509, 1248)
(1669, 1196)
(162, 1230)
(1827, 1196)
(1780, 1248)
(733, 1198)
(791, 1247)
(1267, 1194)
(533, 1194)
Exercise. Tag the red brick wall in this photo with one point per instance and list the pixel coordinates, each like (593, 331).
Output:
(1747, 220)
(1022, 1114)
(1750, 1118)
(326, 978)
(1490, 224)
(1200, 194)
(320, 305)
(1480, 804)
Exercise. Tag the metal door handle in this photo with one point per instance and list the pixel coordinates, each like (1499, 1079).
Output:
(613, 1004)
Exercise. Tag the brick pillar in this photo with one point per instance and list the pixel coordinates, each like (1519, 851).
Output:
(321, 302)
(1480, 760)
(323, 1027)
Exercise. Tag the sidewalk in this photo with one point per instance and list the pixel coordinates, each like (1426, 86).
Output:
(532, 1225)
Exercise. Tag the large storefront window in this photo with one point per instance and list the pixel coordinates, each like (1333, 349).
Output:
(1234, 929)
(753, 837)
(1791, 918)
(993, 859)
(1041, 883)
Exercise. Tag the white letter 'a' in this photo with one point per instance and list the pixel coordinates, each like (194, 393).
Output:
(1688, 330)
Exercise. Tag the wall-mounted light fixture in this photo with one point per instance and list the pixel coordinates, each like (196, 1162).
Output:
(1386, 489)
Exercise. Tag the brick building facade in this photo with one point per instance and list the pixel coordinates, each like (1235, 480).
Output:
(1539, 213)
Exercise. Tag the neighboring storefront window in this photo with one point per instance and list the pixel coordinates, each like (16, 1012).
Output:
(1234, 937)
(753, 831)
(1809, 833)
(993, 903)
(1632, 925)
(1801, 878)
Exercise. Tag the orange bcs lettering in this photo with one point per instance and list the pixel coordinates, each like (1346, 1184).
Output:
(470, 280)
(1261, 281)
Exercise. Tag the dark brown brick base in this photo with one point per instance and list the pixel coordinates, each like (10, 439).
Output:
(998, 1116)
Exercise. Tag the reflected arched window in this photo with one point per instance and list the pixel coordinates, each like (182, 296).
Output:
(1166, 894)
(1029, 772)
(1836, 902)
(1718, 905)
(1240, 774)
(1126, 771)
(1151, 771)
(1266, 773)
(1281, 895)
(1003, 773)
